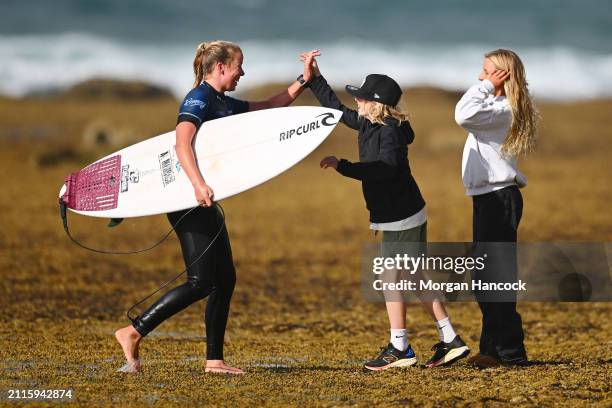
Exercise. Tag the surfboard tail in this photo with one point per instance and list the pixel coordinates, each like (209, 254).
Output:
(94, 188)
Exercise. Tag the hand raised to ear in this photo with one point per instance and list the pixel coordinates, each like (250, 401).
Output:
(498, 77)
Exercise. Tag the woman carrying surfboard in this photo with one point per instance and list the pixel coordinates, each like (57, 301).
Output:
(392, 197)
(218, 69)
(501, 120)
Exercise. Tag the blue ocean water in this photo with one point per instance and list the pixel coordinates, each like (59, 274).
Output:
(565, 45)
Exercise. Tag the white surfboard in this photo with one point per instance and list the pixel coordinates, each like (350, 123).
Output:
(234, 154)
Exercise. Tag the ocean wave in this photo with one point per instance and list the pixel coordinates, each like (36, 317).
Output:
(32, 63)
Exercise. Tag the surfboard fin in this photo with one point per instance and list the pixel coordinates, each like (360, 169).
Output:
(114, 222)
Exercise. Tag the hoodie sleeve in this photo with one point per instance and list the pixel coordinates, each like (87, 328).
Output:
(473, 112)
(392, 155)
(327, 97)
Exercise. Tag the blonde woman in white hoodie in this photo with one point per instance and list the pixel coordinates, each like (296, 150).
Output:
(501, 119)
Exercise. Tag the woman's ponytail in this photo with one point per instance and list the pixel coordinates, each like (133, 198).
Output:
(198, 67)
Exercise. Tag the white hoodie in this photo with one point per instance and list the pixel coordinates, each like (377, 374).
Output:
(487, 118)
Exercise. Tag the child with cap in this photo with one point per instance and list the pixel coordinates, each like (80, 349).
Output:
(392, 196)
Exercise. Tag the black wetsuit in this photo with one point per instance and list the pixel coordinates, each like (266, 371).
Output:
(214, 274)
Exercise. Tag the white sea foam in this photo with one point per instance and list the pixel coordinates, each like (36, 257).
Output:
(37, 62)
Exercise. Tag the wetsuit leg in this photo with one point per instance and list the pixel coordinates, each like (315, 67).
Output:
(217, 309)
(212, 275)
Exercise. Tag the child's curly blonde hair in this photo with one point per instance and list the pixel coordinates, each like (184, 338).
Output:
(378, 112)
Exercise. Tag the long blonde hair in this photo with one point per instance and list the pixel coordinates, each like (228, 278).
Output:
(207, 56)
(378, 112)
(523, 131)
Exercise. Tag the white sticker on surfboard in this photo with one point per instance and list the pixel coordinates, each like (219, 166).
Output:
(234, 154)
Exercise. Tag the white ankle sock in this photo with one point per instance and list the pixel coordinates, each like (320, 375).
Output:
(399, 339)
(445, 330)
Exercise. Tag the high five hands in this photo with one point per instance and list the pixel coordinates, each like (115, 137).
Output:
(310, 64)
(311, 68)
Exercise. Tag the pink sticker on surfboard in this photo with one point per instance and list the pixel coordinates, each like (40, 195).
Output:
(96, 187)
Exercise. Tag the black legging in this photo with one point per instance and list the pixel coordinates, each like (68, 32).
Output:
(213, 276)
(496, 219)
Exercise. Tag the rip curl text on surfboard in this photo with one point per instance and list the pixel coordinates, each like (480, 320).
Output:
(300, 130)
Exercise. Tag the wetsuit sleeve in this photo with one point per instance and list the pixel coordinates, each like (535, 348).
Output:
(238, 106)
(327, 97)
(193, 109)
(391, 157)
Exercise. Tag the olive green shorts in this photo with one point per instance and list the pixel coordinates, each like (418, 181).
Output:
(399, 242)
(416, 234)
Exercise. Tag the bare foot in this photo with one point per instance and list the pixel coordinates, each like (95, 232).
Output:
(129, 339)
(133, 367)
(219, 367)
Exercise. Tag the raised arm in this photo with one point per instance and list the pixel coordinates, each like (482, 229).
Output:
(285, 98)
(323, 92)
(473, 112)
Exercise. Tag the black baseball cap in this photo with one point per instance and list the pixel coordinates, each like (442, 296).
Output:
(377, 88)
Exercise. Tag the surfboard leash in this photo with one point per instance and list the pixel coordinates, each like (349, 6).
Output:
(64, 215)
(221, 227)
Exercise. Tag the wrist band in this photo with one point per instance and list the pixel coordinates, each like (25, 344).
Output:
(302, 81)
